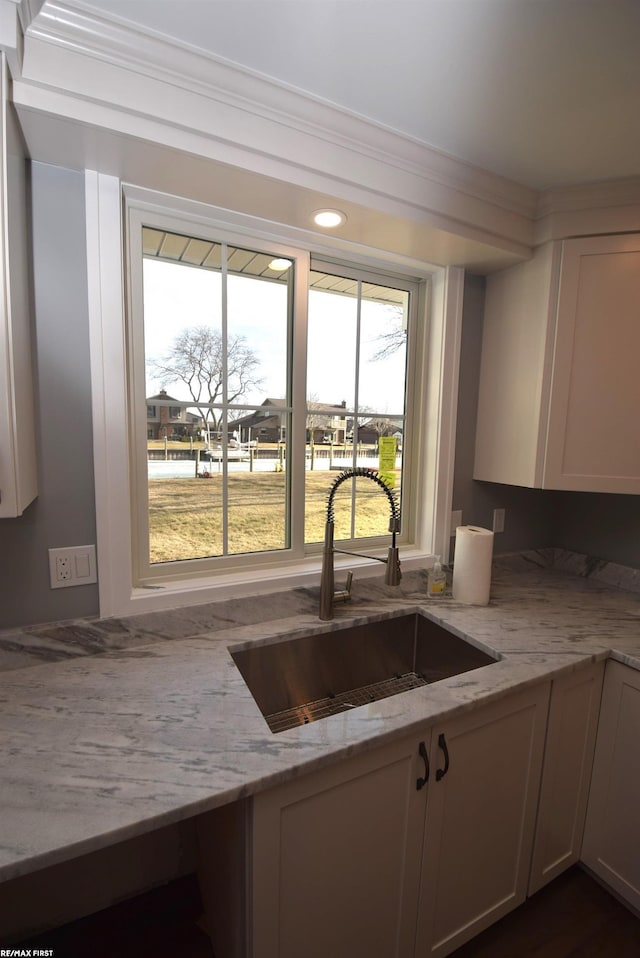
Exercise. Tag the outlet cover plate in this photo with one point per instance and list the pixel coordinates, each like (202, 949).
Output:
(498, 520)
(73, 565)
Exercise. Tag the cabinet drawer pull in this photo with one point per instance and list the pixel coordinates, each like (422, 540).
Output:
(442, 744)
(421, 782)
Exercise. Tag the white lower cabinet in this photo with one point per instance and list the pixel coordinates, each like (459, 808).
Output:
(480, 819)
(611, 847)
(566, 774)
(367, 857)
(336, 860)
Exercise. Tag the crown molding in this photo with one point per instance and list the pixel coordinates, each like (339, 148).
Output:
(589, 196)
(77, 27)
(11, 33)
(27, 11)
(109, 62)
(590, 209)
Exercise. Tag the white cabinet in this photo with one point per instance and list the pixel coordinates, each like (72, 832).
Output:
(17, 420)
(566, 775)
(559, 390)
(480, 819)
(327, 864)
(611, 846)
(367, 857)
(336, 860)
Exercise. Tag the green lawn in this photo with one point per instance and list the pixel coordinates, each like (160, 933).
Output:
(185, 515)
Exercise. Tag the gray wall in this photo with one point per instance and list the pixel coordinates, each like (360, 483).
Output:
(64, 512)
(605, 526)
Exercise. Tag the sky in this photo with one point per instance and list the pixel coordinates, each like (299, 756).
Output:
(177, 297)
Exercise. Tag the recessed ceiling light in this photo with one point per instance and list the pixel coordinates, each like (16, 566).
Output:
(279, 264)
(329, 218)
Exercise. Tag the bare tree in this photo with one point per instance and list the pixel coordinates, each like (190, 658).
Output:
(196, 359)
(315, 420)
(395, 338)
(382, 425)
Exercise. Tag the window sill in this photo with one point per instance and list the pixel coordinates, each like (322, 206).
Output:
(302, 574)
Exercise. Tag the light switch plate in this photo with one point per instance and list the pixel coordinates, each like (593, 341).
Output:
(498, 520)
(74, 565)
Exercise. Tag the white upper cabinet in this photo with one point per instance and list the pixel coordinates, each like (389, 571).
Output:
(559, 386)
(17, 422)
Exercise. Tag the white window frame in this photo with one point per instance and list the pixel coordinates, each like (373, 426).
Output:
(436, 399)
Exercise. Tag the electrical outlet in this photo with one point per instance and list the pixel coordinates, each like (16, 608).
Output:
(498, 520)
(63, 568)
(75, 565)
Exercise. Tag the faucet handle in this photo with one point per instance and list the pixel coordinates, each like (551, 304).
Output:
(344, 594)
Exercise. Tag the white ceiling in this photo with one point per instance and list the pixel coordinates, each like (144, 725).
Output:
(544, 92)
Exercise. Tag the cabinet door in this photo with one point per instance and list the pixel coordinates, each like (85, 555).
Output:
(592, 442)
(480, 819)
(611, 846)
(566, 775)
(336, 859)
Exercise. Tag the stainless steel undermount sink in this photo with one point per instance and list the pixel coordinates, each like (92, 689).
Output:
(301, 680)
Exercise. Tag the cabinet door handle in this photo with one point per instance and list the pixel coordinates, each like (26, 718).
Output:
(421, 782)
(442, 744)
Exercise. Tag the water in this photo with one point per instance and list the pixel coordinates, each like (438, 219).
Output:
(186, 468)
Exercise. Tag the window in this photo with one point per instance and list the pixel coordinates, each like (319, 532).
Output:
(213, 334)
(212, 326)
(324, 393)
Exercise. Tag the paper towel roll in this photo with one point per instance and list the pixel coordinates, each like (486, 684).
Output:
(472, 565)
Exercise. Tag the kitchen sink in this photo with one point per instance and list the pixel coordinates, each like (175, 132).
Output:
(301, 680)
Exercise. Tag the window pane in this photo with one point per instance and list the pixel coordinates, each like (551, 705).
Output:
(185, 516)
(383, 349)
(257, 507)
(216, 329)
(357, 347)
(331, 340)
(258, 320)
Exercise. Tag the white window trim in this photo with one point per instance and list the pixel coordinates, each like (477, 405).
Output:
(437, 400)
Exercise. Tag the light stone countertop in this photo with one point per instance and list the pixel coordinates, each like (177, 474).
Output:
(124, 726)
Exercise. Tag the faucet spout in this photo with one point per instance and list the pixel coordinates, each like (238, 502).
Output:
(328, 593)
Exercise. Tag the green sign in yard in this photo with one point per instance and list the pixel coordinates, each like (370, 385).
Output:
(387, 446)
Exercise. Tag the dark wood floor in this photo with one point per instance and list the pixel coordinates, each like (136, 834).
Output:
(571, 918)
